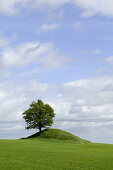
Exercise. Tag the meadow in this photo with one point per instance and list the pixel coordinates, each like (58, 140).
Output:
(44, 154)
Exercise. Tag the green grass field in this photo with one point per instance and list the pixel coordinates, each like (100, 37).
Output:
(46, 154)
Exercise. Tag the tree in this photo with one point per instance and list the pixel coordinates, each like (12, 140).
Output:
(39, 115)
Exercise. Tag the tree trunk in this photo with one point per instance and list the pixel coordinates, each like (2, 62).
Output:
(40, 130)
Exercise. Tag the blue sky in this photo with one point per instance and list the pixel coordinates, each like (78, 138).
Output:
(60, 52)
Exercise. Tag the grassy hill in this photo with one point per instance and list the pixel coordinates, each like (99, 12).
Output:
(57, 134)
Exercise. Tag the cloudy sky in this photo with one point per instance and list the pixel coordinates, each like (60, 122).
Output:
(61, 52)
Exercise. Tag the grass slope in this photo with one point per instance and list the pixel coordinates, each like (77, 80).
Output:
(33, 154)
(57, 134)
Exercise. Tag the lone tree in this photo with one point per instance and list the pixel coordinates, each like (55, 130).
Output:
(39, 115)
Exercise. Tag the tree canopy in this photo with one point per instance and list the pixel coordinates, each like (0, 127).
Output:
(39, 115)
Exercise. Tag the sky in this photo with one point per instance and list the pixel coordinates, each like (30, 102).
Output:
(62, 53)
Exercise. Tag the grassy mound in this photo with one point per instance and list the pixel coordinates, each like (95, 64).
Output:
(57, 134)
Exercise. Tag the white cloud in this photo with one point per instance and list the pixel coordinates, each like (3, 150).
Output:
(88, 88)
(48, 27)
(44, 54)
(109, 59)
(93, 7)
(10, 7)
(86, 106)
(14, 99)
(52, 5)
(90, 7)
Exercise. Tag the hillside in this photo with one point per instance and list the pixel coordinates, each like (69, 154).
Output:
(57, 134)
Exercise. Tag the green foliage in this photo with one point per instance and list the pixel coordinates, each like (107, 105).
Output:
(30, 154)
(39, 115)
(57, 134)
